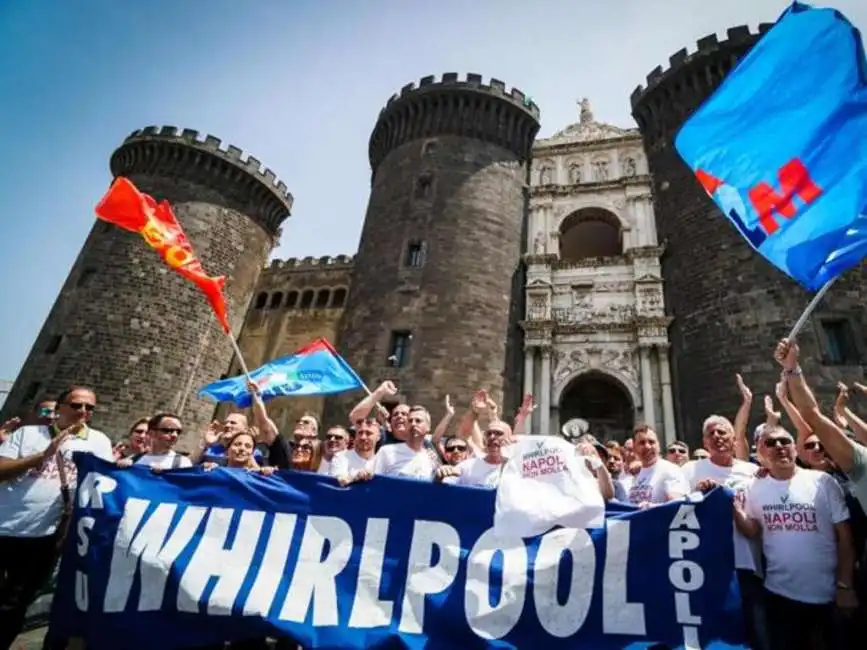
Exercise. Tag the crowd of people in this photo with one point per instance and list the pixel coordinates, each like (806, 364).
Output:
(800, 491)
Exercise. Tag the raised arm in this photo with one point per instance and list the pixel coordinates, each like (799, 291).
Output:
(833, 438)
(442, 427)
(362, 410)
(849, 418)
(528, 405)
(742, 420)
(268, 431)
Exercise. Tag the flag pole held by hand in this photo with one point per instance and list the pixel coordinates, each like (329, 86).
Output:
(808, 311)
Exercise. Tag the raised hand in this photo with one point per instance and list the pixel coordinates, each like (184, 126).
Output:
(786, 354)
(479, 403)
(781, 390)
(450, 410)
(746, 393)
(211, 435)
(528, 405)
(773, 417)
(386, 388)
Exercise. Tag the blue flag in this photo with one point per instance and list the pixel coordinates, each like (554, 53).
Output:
(781, 146)
(315, 369)
(191, 558)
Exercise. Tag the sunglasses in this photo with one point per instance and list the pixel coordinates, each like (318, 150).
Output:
(334, 436)
(78, 406)
(301, 445)
(813, 446)
(676, 450)
(170, 430)
(770, 443)
(456, 448)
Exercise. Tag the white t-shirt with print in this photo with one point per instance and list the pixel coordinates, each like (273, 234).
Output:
(655, 484)
(402, 461)
(798, 538)
(31, 505)
(348, 463)
(737, 477)
(169, 460)
(479, 472)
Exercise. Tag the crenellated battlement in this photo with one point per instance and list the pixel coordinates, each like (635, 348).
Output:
(313, 263)
(456, 107)
(672, 95)
(169, 151)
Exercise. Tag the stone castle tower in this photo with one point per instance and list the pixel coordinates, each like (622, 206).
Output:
(729, 305)
(435, 296)
(124, 323)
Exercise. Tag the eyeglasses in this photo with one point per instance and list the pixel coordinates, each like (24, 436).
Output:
(770, 443)
(169, 430)
(78, 406)
(676, 450)
(814, 445)
(453, 448)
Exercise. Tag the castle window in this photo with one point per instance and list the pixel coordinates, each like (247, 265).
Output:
(839, 343)
(85, 276)
(398, 355)
(32, 391)
(53, 345)
(424, 187)
(261, 301)
(338, 298)
(276, 299)
(291, 300)
(322, 298)
(307, 299)
(429, 148)
(414, 255)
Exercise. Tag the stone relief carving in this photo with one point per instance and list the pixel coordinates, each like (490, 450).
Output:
(546, 175)
(575, 174)
(539, 243)
(619, 360)
(613, 287)
(538, 308)
(600, 171)
(629, 169)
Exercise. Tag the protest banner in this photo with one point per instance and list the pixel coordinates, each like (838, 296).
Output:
(191, 558)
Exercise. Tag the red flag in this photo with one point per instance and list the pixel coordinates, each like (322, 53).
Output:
(126, 207)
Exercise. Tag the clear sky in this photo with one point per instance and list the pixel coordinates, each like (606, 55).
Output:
(297, 83)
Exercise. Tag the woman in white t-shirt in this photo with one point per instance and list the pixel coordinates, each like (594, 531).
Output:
(803, 522)
(164, 429)
(659, 480)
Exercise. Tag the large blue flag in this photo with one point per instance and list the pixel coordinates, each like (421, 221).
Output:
(315, 369)
(190, 558)
(781, 146)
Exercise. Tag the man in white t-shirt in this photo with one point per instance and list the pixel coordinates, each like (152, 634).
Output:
(721, 468)
(336, 442)
(659, 480)
(356, 464)
(802, 519)
(164, 429)
(34, 462)
(482, 471)
(409, 459)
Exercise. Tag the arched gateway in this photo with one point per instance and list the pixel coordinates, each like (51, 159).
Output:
(603, 401)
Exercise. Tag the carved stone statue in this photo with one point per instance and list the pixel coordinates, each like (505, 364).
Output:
(539, 243)
(586, 113)
(575, 174)
(600, 171)
(545, 176)
(629, 167)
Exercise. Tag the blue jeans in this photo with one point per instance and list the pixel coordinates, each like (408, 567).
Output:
(753, 605)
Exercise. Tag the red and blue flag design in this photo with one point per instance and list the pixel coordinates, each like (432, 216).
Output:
(315, 369)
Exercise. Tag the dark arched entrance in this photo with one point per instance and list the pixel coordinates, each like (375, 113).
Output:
(603, 402)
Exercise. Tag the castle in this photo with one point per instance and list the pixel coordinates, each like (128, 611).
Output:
(588, 268)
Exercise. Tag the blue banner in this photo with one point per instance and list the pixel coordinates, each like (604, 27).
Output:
(188, 558)
(781, 146)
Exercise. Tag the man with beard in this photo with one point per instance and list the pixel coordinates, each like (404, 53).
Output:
(409, 459)
(356, 464)
(482, 471)
(722, 468)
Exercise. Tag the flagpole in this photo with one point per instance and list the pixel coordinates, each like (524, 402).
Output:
(240, 356)
(810, 308)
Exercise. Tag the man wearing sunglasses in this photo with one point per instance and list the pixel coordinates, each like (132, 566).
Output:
(31, 504)
(803, 522)
(163, 429)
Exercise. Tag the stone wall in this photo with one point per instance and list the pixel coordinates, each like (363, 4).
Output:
(296, 302)
(729, 305)
(450, 168)
(124, 323)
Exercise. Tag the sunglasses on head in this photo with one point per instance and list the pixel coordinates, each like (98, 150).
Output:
(777, 442)
(77, 406)
(813, 445)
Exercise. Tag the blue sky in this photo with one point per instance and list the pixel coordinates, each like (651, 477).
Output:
(297, 83)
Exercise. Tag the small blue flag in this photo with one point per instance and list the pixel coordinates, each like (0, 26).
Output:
(315, 369)
(781, 146)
